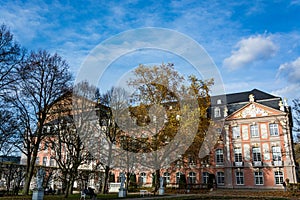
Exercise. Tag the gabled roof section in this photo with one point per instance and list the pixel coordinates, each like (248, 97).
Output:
(244, 96)
(236, 101)
(254, 109)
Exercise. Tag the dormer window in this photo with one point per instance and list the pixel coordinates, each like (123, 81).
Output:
(219, 101)
(217, 111)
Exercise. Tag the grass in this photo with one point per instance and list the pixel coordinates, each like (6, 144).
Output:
(220, 194)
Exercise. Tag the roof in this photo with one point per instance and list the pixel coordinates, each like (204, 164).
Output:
(11, 159)
(244, 96)
(235, 101)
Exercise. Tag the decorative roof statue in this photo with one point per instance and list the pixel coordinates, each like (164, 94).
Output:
(281, 105)
(251, 98)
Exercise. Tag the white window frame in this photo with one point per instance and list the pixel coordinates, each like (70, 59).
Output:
(239, 177)
(274, 131)
(278, 176)
(236, 132)
(238, 156)
(217, 112)
(258, 178)
(219, 157)
(205, 176)
(167, 177)
(143, 176)
(178, 177)
(52, 162)
(276, 153)
(256, 154)
(37, 160)
(45, 159)
(192, 177)
(220, 178)
(254, 130)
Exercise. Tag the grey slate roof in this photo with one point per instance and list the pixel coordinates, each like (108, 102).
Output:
(236, 101)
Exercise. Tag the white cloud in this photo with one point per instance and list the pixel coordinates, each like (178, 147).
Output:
(290, 70)
(252, 49)
(295, 2)
(290, 92)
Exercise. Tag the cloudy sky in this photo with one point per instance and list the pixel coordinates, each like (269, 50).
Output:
(254, 44)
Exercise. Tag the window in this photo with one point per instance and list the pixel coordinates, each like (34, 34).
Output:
(274, 129)
(191, 161)
(239, 178)
(44, 161)
(37, 161)
(205, 177)
(167, 177)
(143, 177)
(278, 177)
(276, 151)
(236, 132)
(217, 112)
(220, 178)
(46, 145)
(259, 178)
(178, 174)
(111, 177)
(219, 101)
(52, 162)
(256, 154)
(219, 157)
(238, 155)
(192, 178)
(254, 131)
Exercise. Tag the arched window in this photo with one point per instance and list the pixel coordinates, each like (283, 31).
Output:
(143, 177)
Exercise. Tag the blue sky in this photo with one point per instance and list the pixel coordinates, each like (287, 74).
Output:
(254, 44)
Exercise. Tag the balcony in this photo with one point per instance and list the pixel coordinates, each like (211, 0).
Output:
(277, 163)
(238, 164)
(257, 163)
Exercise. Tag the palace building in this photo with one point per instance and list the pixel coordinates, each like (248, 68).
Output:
(257, 146)
(254, 148)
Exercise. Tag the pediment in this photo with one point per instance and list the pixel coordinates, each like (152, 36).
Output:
(252, 110)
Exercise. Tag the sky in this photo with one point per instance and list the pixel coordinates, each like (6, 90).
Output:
(253, 44)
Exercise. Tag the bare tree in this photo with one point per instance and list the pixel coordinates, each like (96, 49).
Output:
(11, 55)
(67, 143)
(42, 79)
(9, 136)
(13, 174)
(68, 152)
(109, 130)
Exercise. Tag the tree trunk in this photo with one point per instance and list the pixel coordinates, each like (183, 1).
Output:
(127, 180)
(106, 177)
(157, 181)
(67, 190)
(71, 185)
(30, 171)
